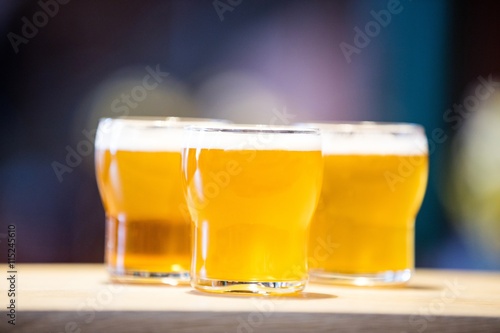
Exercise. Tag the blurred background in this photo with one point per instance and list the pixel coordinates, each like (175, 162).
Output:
(64, 64)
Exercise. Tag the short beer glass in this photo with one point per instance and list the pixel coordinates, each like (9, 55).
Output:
(375, 176)
(251, 192)
(138, 170)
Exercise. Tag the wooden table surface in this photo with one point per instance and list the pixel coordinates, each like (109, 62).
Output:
(78, 298)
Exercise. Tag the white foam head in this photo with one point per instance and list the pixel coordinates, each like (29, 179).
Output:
(253, 137)
(151, 135)
(366, 138)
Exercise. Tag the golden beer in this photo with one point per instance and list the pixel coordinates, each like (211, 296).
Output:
(374, 182)
(251, 204)
(148, 228)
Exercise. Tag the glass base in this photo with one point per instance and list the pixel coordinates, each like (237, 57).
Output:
(248, 287)
(143, 277)
(387, 278)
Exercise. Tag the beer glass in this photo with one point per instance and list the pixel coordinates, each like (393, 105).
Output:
(138, 172)
(375, 177)
(251, 192)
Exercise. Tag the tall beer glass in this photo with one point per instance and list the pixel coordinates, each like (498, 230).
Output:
(251, 192)
(138, 169)
(374, 181)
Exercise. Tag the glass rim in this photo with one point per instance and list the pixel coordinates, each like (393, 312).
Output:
(364, 126)
(158, 121)
(251, 129)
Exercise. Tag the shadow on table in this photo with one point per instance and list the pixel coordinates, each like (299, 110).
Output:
(420, 286)
(296, 296)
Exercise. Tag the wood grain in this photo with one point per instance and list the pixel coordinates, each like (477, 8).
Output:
(78, 298)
